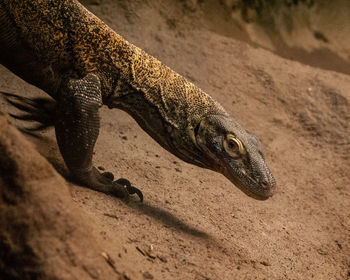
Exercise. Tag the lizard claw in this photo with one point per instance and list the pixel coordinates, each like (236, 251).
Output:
(124, 182)
(108, 175)
(133, 190)
(125, 191)
(120, 191)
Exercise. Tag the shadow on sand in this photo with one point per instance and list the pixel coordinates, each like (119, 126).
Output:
(167, 218)
(48, 148)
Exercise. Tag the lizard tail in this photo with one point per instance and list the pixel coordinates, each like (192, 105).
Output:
(41, 110)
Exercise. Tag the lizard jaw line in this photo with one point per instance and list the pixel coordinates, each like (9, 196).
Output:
(243, 186)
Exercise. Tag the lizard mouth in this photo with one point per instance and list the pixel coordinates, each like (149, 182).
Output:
(251, 187)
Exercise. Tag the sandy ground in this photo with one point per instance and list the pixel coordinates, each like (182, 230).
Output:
(194, 224)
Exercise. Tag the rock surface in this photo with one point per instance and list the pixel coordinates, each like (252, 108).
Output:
(43, 234)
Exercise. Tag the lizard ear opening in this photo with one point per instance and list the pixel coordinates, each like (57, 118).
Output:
(196, 129)
(193, 132)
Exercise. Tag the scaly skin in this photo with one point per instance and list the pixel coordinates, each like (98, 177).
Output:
(62, 48)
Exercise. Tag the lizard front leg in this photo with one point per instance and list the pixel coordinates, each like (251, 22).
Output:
(77, 126)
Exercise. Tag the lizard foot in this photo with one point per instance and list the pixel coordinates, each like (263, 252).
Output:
(104, 182)
(122, 187)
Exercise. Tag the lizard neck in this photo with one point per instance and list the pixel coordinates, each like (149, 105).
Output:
(164, 103)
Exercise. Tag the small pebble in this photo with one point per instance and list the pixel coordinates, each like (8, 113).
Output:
(147, 275)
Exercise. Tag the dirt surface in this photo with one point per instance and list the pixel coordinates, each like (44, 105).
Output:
(194, 224)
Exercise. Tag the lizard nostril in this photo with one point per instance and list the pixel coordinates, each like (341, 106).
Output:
(264, 183)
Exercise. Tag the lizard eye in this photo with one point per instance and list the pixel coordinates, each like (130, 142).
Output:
(233, 146)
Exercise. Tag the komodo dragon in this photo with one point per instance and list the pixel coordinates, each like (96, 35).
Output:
(65, 50)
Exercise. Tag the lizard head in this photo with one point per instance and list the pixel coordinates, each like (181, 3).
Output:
(228, 149)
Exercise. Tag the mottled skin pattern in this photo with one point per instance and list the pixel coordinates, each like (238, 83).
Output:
(72, 55)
